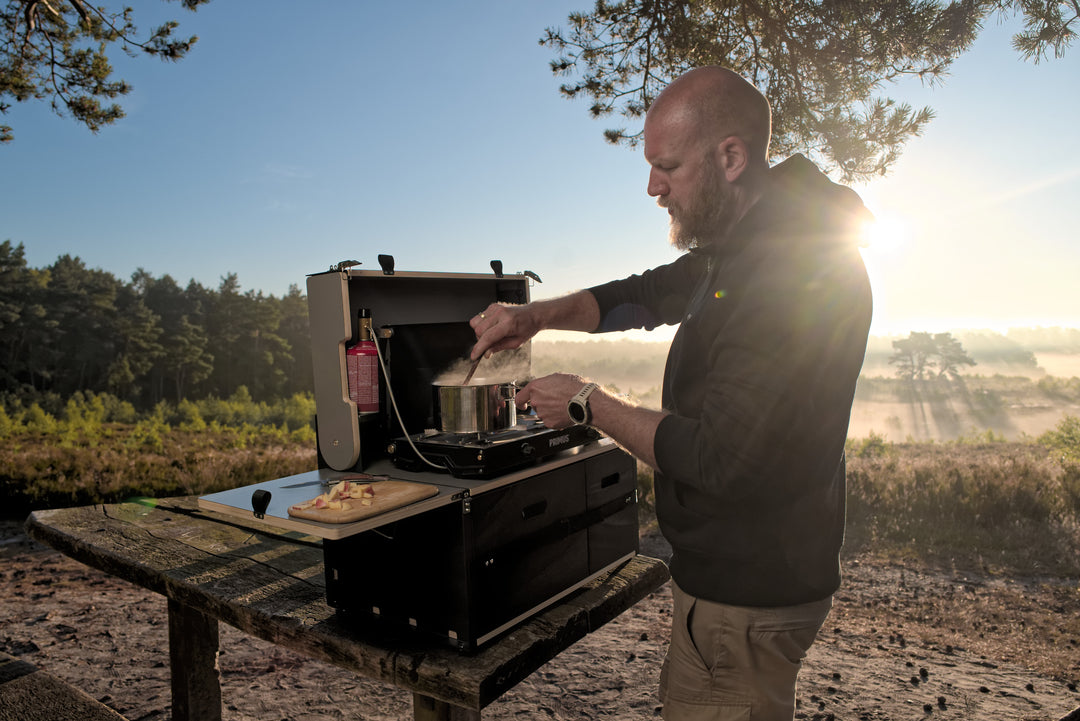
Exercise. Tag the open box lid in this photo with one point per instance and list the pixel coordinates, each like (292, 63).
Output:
(394, 298)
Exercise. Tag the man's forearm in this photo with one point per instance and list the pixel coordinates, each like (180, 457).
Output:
(503, 327)
(632, 427)
(576, 311)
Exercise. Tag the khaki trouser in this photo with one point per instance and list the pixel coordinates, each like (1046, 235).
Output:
(735, 663)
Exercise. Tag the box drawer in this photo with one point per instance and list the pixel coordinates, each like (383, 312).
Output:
(609, 476)
(533, 508)
(611, 494)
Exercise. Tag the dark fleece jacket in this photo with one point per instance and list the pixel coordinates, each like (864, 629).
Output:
(759, 384)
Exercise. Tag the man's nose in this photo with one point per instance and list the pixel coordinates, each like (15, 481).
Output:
(657, 185)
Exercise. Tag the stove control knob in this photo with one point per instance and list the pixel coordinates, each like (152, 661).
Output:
(527, 449)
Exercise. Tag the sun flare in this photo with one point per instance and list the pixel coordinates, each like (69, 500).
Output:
(885, 233)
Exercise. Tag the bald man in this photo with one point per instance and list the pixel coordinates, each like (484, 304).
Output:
(773, 306)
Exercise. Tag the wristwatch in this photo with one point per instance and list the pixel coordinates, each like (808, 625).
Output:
(578, 406)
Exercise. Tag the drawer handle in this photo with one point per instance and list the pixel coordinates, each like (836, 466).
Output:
(533, 510)
(608, 481)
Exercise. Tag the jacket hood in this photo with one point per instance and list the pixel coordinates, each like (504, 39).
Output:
(817, 201)
(800, 197)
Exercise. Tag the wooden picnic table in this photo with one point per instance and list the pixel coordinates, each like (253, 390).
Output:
(270, 584)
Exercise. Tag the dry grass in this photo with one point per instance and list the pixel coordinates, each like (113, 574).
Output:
(1002, 507)
(40, 470)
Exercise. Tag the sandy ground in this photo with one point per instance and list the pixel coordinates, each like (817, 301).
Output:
(901, 643)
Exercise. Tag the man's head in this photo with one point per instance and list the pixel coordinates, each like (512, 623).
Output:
(707, 140)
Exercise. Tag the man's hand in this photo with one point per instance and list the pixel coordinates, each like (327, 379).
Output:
(632, 427)
(503, 327)
(549, 396)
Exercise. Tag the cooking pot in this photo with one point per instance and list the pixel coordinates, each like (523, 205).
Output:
(477, 407)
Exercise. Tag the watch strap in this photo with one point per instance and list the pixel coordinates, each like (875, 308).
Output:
(580, 402)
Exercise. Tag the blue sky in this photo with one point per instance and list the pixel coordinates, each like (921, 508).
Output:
(291, 139)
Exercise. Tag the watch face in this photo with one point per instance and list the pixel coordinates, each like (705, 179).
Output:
(577, 412)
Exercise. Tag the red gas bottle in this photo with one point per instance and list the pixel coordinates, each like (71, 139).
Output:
(362, 365)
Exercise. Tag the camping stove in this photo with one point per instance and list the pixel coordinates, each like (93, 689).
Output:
(488, 454)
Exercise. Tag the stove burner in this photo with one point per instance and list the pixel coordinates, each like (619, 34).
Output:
(491, 453)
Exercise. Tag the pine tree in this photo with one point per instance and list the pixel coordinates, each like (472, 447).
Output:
(58, 50)
(822, 65)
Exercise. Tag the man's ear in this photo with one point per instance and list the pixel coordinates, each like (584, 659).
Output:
(732, 157)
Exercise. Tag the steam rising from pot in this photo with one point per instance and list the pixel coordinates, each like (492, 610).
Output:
(503, 367)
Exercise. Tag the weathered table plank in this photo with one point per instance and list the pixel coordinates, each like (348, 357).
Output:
(271, 585)
(29, 694)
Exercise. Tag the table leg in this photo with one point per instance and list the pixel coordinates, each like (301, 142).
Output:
(193, 655)
(426, 708)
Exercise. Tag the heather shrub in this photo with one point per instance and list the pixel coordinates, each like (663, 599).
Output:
(997, 504)
(873, 446)
(84, 412)
(295, 412)
(37, 420)
(149, 458)
(99, 450)
(1064, 440)
(1067, 389)
(8, 425)
(187, 416)
(1070, 487)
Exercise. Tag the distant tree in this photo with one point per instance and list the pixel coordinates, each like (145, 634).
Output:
(949, 355)
(1047, 340)
(227, 330)
(925, 355)
(912, 355)
(67, 329)
(137, 344)
(58, 50)
(993, 347)
(295, 330)
(198, 302)
(166, 299)
(242, 328)
(187, 360)
(267, 355)
(184, 359)
(22, 315)
(821, 64)
(80, 346)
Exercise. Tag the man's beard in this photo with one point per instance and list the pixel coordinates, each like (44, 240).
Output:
(707, 215)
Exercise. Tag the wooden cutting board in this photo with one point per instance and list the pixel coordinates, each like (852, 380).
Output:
(388, 496)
